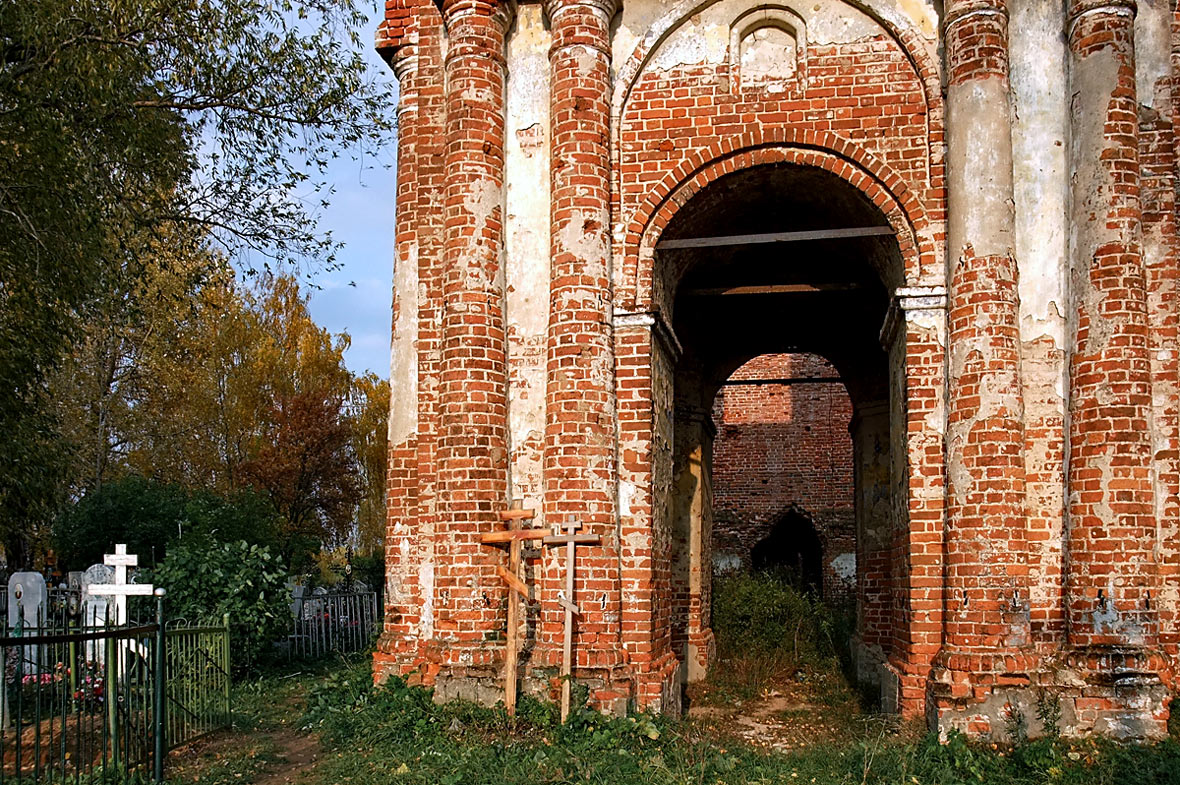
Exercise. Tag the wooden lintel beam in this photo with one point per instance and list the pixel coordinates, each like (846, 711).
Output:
(787, 288)
(774, 237)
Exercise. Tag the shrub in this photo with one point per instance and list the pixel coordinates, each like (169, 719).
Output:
(149, 516)
(206, 580)
(765, 612)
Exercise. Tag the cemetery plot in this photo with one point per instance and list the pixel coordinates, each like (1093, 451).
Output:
(85, 688)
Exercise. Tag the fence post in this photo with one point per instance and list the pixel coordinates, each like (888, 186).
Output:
(3, 682)
(161, 686)
(225, 667)
(111, 692)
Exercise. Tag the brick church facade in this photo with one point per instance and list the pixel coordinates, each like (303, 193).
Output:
(967, 210)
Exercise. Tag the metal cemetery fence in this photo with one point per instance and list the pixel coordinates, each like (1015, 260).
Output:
(333, 623)
(198, 681)
(104, 703)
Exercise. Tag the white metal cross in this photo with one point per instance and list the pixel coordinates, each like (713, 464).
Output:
(120, 589)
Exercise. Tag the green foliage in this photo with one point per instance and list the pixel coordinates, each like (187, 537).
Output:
(765, 612)
(149, 516)
(768, 630)
(135, 131)
(396, 734)
(206, 580)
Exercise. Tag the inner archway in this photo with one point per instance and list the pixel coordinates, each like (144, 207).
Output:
(783, 474)
(738, 290)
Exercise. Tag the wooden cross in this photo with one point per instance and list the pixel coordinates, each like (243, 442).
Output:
(570, 539)
(517, 588)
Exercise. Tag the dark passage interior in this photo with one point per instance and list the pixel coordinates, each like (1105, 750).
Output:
(782, 377)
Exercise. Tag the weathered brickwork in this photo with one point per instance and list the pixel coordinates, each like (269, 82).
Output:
(1003, 459)
(783, 456)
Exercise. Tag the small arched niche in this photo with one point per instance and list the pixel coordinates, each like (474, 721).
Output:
(768, 50)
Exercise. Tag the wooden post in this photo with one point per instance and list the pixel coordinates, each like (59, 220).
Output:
(515, 537)
(511, 653)
(570, 540)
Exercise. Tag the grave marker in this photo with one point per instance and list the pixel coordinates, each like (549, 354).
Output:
(121, 589)
(570, 540)
(517, 588)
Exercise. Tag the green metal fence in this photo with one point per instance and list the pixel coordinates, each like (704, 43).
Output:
(198, 681)
(104, 704)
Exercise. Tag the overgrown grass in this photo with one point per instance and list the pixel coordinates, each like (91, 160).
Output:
(766, 631)
(395, 734)
(770, 632)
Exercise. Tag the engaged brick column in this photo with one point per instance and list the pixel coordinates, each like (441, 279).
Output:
(579, 452)
(472, 453)
(402, 597)
(986, 613)
(1112, 590)
(1111, 564)
(1157, 158)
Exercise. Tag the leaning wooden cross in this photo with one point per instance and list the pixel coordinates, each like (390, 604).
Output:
(570, 539)
(517, 588)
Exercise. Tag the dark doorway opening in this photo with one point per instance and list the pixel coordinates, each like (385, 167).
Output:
(792, 548)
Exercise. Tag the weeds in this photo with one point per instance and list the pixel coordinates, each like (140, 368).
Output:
(769, 630)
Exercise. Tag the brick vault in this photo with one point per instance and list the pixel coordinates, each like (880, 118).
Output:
(966, 210)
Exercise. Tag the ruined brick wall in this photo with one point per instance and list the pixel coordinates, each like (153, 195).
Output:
(781, 448)
(1016, 478)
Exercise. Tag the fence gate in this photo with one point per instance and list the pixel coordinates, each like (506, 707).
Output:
(198, 681)
(104, 703)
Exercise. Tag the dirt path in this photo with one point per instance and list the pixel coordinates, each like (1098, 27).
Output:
(775, 720)
(297, 753)
(257, 757)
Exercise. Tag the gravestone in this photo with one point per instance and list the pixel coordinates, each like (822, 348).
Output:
(26, 610)
(94, 606)
(26, 598)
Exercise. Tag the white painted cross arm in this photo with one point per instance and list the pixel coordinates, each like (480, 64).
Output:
(123, 590)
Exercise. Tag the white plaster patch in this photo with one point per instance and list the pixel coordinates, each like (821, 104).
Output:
(844, 566)
(627, 492)
(1152, 52)
(403, 360)
(703, 38)
(1040, 187)
(426, 588)
(526, 247)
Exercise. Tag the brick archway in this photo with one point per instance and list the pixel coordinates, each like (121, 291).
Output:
(875, 180)
(665, 431)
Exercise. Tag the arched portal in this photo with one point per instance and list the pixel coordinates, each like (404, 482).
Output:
(832, 295)
(783, 474)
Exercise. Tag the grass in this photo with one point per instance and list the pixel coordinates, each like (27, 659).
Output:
(395, 734)
(775, 641)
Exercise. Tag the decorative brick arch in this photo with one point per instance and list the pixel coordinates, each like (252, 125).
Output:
(876, 181)
(925, 64)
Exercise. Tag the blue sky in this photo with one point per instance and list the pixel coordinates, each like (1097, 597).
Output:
(361, 216)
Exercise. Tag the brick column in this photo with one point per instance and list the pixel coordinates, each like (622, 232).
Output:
(402, 598)
(1111, 521)
(579, 452)
(986, 598)
(1111, 574)
(472, 451)
(1157, 159)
